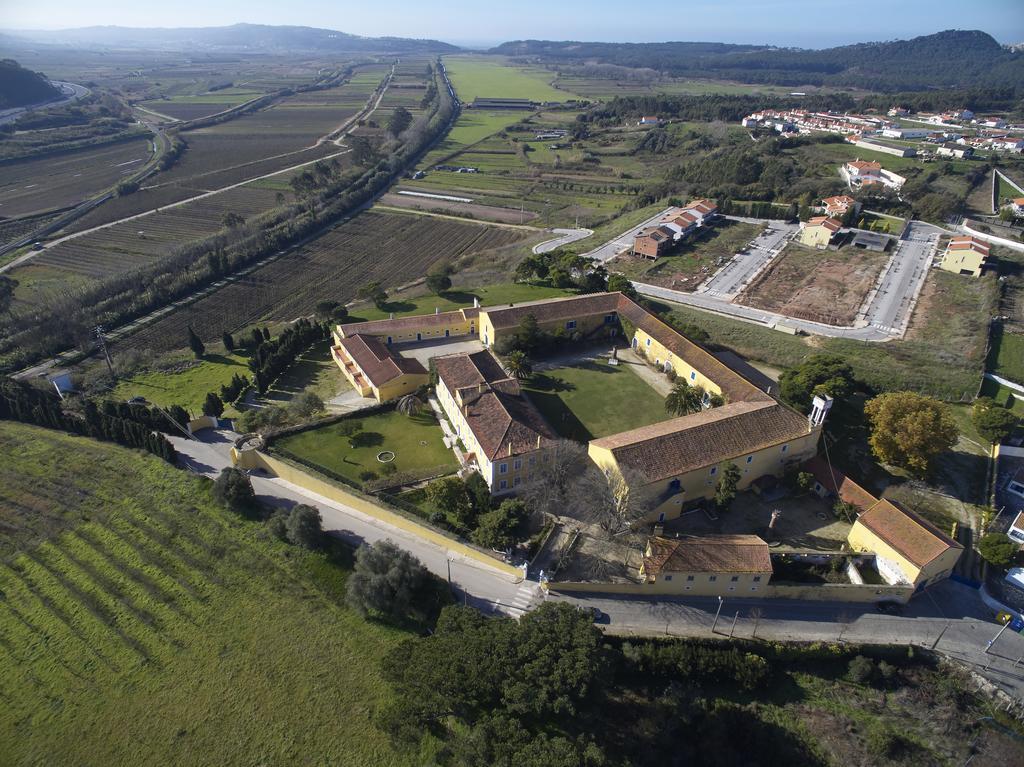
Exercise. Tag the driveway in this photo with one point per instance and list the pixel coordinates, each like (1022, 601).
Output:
(478, 585)
(743, 267)
(612, 248)
(566, 236)
(901, 282)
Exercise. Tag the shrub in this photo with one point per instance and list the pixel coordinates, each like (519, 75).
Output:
(277, 525)
(997, 549)
(861, 670)
(367, 475)
(234, 490)
(304, 527)
(387, 581)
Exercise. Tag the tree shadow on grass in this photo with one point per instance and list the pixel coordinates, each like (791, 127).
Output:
(398, 306)
(559, 416)
(220, 359)
(458, 296)
(367, 439)
(549, 383)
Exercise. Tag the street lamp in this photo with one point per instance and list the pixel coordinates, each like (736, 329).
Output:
(719, 612)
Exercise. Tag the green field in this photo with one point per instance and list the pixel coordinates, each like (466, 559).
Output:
(493, 77)
(594, 399)
(314, 371)
(416, 442)
(457, 298)
(1006, 354)
(155, 627)
(187, 388)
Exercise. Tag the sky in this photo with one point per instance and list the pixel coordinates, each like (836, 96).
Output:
(803, 23)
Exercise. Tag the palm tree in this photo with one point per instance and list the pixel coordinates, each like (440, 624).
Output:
(684, 399)
(517, 365)
(409, 405)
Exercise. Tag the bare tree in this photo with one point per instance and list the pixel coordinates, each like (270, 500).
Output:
(553, 477)
(756, 613)
(614, 499)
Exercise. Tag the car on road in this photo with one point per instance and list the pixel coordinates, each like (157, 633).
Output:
(596, 615)
(889, 607)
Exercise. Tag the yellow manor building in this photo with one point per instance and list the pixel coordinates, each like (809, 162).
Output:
(505, 436)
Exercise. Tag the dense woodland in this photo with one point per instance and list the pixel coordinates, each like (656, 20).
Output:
(950, 59)
(20, 86)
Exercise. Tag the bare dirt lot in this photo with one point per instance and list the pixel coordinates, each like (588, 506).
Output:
(463, 209)
(818, 285)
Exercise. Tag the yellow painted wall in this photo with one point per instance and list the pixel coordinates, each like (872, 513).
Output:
(700, 483)
(585, 323)
(962, 260)
(456, 325)
(861, 538)
(745, 584)
(400, 386)
(815, 236)
(254, 459)
(657, 353)
(823, 592)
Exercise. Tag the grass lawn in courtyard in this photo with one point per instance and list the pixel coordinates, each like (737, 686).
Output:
(594, 399)
(188, 387)
(416, 442)
(1006, 354)
(315, 371)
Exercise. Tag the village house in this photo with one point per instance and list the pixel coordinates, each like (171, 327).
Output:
(907, 549)
(836, 207)
(819, 231)
(859, 170)
(834, 485)
(505, 436)
(955, 150)
(653, 241)
(965, 255)
(1018, 206)
(712, 565)
(374, 369)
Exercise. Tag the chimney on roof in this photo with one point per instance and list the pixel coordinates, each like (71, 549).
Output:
(437, 310)
(476, 302)
(391, 315)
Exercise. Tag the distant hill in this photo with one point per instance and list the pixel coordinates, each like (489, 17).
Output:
(946, 59)
(20, 86)
(238, 38)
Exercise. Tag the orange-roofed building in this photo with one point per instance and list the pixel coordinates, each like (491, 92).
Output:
(711, 565)
(965, 255)
(839, 205)
(819, 231)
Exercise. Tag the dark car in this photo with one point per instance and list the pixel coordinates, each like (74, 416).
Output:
(889, 607)
(596, 615)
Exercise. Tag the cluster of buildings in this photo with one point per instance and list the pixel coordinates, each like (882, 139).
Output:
(866, 173)
(791, 121)
(965, 255)
(676, 225)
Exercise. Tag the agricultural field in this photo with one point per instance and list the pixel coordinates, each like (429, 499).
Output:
(193, 106)
(413, 302)
(393, 248)
(592, 399)
(416, 441)
(496, 77)
(690, 263)
(605, 89)
(821, 286)
(34, 186)
(145, 624)
(1006, 354)
(137, 243)
(183, 382)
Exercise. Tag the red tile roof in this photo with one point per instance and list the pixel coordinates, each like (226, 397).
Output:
(865, 165)
(672, 448)
(552, 309)
(378, 362)
(840, 485)
(399, 324)
(707, 554)
(914, 538)
(829, 223)
(966, 242)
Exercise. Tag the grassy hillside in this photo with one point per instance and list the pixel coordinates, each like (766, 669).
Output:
(153, 627)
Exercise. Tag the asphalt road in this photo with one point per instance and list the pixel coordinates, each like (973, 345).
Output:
(566, 236)
(744, 266)
(896, 294)
(483, 587)
(612, 248)
(71, 91)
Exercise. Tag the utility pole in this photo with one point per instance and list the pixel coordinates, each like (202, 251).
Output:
(717, 613)
(992, 641)
(102, 341)
(734, 619)
(936, 642)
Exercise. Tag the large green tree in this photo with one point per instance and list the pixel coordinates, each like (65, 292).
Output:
(684, 399)
(993, 422)
(388, 582)
(818, 374)
(500, 528)
(725, 490)
(909, 430)
(449, 496)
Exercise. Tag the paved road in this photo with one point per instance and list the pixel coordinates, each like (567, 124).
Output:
(950, 613)
(481, 586)
(759, 316)
(744, 266)
(566, 236)
(612, 248)
(901, 281)
(71, 91)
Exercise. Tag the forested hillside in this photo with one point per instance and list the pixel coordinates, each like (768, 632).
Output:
(20, 86)
(947, 59)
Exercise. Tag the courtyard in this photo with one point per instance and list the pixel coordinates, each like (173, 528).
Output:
(416, 442)
(585, 398)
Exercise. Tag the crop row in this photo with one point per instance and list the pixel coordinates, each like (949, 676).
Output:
(391, 248)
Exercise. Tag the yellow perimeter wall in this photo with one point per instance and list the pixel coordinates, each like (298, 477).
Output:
(254, 459)
(827, 592)
(815, 236)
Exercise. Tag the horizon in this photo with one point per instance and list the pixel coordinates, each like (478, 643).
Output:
(792, 23)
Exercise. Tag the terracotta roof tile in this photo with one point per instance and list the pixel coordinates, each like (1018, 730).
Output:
(461, 370)
(378, 362)
(425, 321)
(917, 540)
(840, 485)
(672, 448)
(829, 223)
(707, 554)
(552, 309)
